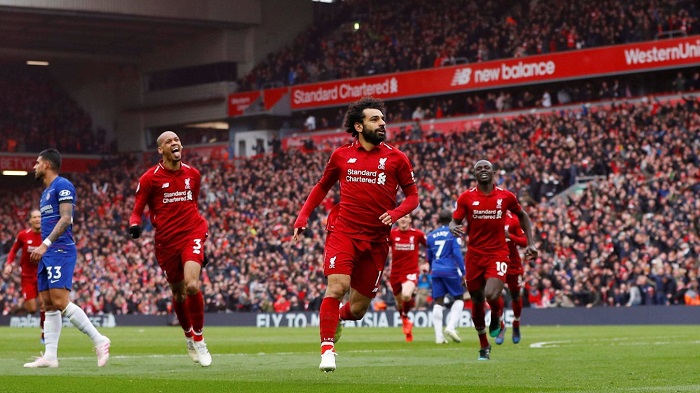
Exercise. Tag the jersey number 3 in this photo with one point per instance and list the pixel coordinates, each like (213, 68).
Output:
(197, 248)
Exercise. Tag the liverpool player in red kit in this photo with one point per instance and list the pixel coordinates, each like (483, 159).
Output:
(171, 191)
(27, 241)
(405, 241)
(357, 244)
(485, 207)
(515, 236)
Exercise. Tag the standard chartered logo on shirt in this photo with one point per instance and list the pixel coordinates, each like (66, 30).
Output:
(487, 214)
(364, 176)
(177, 196)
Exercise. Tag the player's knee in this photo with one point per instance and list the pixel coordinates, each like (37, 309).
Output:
(336, 291)
(192, 287)
(179, 296)
(492, 296)
(359, 310)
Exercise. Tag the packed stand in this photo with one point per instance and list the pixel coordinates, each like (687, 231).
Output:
(417, 34)
(35, 111)
(629, 238)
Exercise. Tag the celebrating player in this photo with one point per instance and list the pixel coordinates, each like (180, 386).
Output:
(27, 241)
(484, 207)
(515, 236)
(357, 244)
(405, 241)
(447, 265)
(171, 191)
(56, 256)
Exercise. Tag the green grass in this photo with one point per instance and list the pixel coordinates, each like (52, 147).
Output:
(549, 359)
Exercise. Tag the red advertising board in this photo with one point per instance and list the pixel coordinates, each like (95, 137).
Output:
(680, 52)
(239, 102)
(272, 96)
(25, 162)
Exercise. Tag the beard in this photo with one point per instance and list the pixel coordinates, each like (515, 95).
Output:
(374, 137)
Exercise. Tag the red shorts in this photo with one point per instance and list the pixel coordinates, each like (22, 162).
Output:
(362, 260)
(172, 257)
(482, 267)
(30, 289)
(397, 282)
(514, 282)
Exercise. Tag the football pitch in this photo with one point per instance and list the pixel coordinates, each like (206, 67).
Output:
(548, 359)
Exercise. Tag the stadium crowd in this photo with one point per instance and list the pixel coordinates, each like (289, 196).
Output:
(35, 110)
(417, 34)
(629, 237)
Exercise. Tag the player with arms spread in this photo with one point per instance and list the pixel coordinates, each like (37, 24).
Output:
(484, 207)
(405, 241)
(56, 256)
(27, 241)
(171, 191)
(357, 244)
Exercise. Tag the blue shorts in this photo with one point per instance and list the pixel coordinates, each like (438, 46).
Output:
(443, 286)
(56, 270)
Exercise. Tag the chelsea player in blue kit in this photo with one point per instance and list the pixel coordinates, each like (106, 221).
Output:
(56, 257)
(444, 254)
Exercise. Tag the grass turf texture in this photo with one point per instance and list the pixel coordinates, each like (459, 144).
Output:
(548, 359)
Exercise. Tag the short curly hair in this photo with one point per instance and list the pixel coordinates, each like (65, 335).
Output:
(355, 113)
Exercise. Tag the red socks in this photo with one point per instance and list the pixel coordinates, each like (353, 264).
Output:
(517, 311)
(195, 304)
(479, 316)
(328, 321)
(346, 314)
(496, 308)
(407, 306)
(183, 315)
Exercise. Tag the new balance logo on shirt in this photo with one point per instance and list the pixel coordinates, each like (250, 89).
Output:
(352, 160)
(166, 185)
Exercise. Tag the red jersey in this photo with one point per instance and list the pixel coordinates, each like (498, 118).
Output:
(369, 181)
(405, 247)
(486, 219)
(27, 240)
(517, 238)
(172, 198)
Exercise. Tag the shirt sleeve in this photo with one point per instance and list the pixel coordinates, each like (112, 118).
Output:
(513, 203)
(404, 173)
(461, 210)
(422, 239)
(143, 190)
(65, 192)
(318, 193)
(197, 186)
(517, 235)
(13, 251)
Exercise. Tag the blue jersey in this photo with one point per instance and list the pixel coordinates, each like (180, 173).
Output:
(59, 191)
(444, 254)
